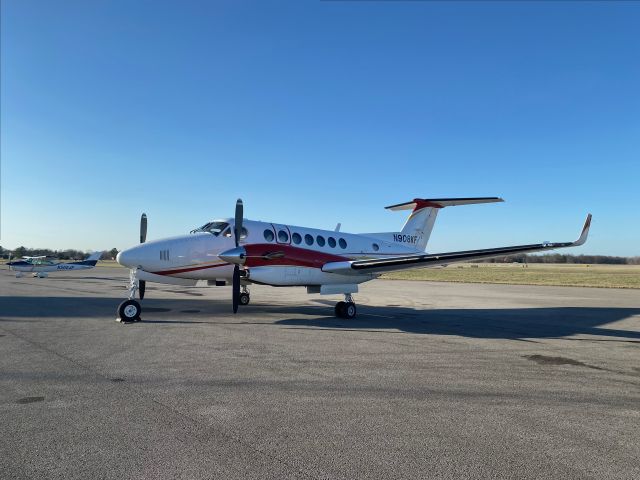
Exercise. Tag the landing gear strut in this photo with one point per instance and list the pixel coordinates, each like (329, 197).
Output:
(346, 309)
(244, 298)
(130, 310)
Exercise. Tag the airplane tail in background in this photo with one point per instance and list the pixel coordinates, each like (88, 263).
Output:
(91, 260)
(417, 229)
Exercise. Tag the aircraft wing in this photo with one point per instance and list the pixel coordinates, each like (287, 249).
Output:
(390, 264)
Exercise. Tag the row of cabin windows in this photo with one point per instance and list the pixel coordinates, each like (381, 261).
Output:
(283, 237)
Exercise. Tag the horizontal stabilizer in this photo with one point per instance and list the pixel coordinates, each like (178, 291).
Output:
(418, 203)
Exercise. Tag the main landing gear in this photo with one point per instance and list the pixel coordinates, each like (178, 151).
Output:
(346, 309)
(244, 297)
(130, 310)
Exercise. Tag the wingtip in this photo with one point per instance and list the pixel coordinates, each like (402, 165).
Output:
(585, 232)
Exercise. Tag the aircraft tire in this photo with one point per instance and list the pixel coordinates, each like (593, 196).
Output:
(244, 299)
(350, 310)
(340, 309)
(129, 311)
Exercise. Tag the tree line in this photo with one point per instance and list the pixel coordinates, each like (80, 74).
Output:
(564, 258)
(68, 254)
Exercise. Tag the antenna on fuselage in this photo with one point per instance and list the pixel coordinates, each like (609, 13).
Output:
(337, 229)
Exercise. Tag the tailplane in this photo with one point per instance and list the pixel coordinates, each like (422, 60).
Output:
(417, 229)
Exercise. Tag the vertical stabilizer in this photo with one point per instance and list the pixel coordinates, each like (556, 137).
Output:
(417, 229)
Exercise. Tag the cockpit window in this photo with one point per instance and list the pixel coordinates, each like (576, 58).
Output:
(229, 232)
(215, 228)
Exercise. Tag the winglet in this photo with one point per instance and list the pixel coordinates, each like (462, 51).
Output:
(585, 232)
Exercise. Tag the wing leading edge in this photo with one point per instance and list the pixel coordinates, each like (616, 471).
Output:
(390, 264)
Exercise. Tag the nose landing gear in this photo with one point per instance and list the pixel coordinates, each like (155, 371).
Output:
(346, 309)
(130, 310)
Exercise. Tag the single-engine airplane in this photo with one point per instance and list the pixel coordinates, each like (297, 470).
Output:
(40, 266)
(327, 262)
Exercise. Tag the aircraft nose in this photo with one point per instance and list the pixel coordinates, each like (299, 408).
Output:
(125, 258)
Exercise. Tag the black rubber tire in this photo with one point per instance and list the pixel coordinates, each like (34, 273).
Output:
(350, 310)
(244, 299)
(129, 311)
(340, 309)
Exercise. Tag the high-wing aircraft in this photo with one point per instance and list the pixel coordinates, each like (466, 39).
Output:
(327, 262)
(40, 266)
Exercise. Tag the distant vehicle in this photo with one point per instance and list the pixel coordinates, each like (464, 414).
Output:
(329, 262)
(41, 267)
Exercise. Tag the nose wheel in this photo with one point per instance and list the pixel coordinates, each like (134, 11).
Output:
(130, 309)
(346, 309)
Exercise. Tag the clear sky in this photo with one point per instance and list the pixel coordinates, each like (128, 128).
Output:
(318, 112)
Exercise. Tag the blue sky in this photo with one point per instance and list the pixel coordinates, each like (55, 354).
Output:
(317, 113)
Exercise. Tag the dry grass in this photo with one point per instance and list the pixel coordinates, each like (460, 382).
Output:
(607, 276)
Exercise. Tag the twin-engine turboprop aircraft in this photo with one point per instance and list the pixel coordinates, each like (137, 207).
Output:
(244, 252)
(41, 267)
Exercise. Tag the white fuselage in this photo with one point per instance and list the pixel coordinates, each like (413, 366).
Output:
(195, 256)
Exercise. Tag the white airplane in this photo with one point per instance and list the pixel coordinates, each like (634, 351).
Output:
(244, 252)
(40, 266)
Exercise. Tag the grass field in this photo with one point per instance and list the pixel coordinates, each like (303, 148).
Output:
(607, 276)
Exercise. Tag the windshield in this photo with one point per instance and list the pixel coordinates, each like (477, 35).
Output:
(215, 228)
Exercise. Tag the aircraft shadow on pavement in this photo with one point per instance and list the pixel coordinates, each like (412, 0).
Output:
(509, 323)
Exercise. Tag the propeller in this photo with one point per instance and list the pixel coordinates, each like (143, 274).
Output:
(143, 228)
(237, 231)
(143, 238)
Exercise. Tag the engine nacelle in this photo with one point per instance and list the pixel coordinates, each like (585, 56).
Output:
(300, 276)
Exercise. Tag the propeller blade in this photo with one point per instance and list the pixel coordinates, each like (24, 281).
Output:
(141, 286)
(143, 228)
(236, 288)
(238, 224)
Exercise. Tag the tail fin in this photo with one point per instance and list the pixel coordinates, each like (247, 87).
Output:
(94, 256)
(417, 229)
(91, 260)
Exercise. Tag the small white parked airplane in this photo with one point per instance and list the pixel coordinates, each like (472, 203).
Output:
(40, 266)
(244, 252)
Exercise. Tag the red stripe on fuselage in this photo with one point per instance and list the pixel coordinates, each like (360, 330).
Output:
(293, 256)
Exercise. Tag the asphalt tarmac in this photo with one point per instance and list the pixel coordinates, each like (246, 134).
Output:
(432, 380)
